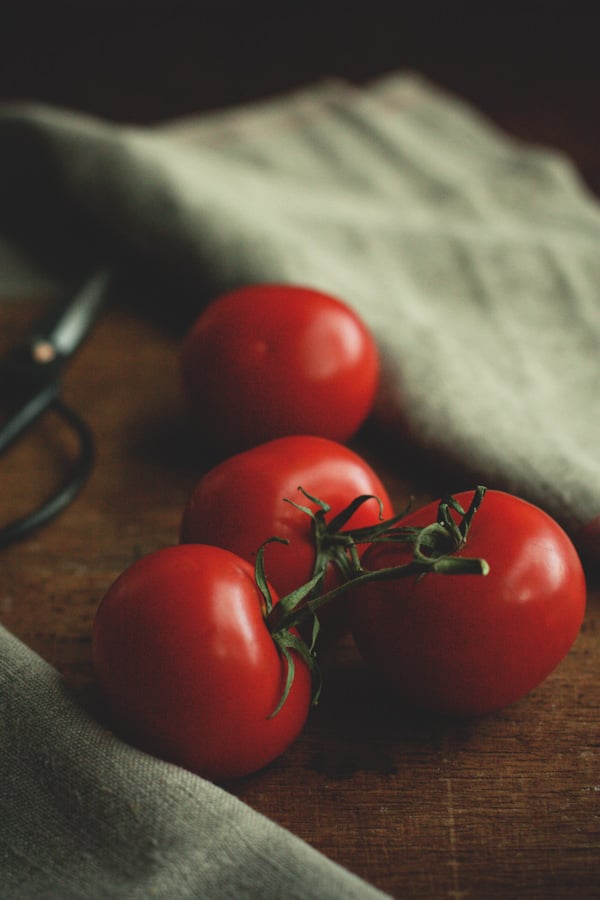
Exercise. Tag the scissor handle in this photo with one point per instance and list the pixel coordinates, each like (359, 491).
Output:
(34, 372)
(27, 414)
(19, 528)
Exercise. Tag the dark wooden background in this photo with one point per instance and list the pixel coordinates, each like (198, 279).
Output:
(507, 806)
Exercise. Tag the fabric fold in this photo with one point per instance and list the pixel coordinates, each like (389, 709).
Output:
(472, 256)
(84, 815)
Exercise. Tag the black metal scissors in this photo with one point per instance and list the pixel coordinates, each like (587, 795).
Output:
(30, 381)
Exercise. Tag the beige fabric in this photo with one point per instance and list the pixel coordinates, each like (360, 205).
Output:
(472, 257)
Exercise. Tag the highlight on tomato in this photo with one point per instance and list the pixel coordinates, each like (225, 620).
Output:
(468, 646)
(245, 500)
(267, 360)
(188, 668)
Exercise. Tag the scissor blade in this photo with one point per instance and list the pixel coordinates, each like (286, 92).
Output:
(65, 331)
(31, 373)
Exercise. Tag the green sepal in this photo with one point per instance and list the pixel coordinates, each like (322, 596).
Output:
(259, 571)
(433, 547)
(343, 517)
(286, 643)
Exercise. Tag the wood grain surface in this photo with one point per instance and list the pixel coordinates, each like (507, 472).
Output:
(506, 806)
(503, 806)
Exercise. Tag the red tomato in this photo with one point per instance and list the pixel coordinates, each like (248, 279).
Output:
(269, 360)
(188, 667)
(240, 503)
(471, 644)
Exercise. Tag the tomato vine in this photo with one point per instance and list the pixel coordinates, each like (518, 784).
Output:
(433, 549)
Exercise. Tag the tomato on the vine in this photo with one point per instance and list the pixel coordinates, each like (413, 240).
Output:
(465, 644)
(188, 667)
(241, 503)
(267, 360)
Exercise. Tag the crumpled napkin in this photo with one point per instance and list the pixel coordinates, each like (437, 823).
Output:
(474, 260)
(84, 816)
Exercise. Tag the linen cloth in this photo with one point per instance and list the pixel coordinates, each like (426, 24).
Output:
(474, 260)
(472, 257)
(84, 816)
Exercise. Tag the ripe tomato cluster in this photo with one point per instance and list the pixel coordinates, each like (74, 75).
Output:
(206, 651)
(181, 643)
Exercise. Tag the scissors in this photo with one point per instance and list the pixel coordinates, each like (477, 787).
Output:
(30, 380)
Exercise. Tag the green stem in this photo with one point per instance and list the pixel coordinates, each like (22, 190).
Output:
(433, 549)
(282, 617)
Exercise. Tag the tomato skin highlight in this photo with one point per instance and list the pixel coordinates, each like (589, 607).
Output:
(188, 667)
(239, 504)
(469, 645)
(267, 360)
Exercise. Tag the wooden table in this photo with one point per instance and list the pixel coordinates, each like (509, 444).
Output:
(507, 806)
